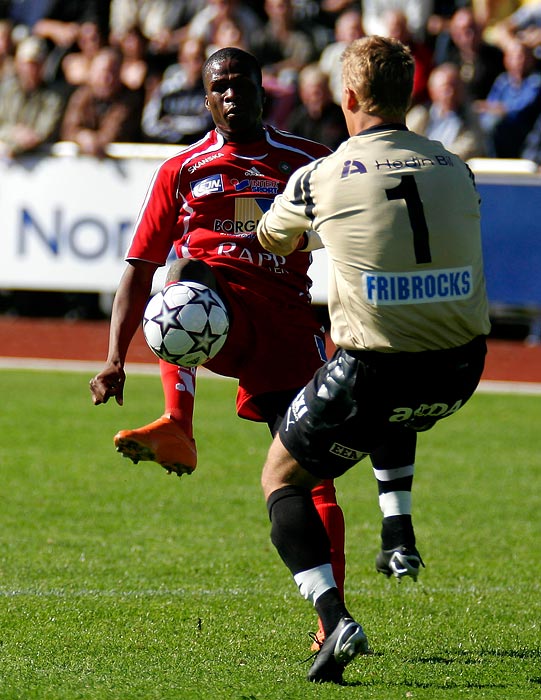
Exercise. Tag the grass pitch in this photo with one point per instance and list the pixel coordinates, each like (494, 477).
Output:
(118, 581)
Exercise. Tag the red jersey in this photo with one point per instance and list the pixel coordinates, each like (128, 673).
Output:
(206, 202)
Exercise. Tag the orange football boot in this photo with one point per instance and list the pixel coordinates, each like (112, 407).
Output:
(162, 441)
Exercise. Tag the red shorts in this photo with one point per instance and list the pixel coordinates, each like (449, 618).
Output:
(269, 348)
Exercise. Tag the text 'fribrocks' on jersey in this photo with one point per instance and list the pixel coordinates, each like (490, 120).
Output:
(399, 217)
(206, 202)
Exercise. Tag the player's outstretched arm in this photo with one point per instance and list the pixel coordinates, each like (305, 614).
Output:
(129, 304)
(284, 228)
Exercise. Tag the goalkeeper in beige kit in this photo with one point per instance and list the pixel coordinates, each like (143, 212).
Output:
(399, 218)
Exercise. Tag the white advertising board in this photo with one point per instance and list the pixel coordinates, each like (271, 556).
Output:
(66, 222)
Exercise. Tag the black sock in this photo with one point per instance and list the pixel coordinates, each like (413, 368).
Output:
(297, 531)
(397, 530)
(330, 608)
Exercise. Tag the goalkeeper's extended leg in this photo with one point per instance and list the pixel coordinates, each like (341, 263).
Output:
(394, 467)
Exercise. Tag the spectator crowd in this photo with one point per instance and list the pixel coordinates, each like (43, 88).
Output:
(99, 71)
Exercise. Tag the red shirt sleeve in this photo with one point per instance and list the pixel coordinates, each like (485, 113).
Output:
(155, 228)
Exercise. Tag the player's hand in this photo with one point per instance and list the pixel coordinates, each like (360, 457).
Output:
(109, 382)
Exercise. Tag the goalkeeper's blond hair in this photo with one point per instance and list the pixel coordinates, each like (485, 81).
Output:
(379, 70)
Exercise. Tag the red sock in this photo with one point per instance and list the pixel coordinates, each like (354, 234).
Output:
(179, 391)
(324, 497)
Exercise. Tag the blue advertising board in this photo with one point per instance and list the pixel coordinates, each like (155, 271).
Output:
(511, 227)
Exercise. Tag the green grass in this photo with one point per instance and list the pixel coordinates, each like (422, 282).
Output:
(121, 582)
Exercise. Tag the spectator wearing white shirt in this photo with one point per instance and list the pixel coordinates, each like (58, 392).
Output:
(417, 12)
(348, 27)
(447, 117)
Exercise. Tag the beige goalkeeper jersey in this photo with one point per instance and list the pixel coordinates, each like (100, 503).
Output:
(399, 217)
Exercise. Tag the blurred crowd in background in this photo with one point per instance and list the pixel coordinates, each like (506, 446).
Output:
(100, 71)
(94, 72)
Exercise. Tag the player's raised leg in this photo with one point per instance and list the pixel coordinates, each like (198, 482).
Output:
(169, 439)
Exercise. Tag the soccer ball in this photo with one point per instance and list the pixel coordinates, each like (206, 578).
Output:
(186, 324)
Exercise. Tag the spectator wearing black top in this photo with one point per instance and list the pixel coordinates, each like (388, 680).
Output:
(317, 117)
(176, 111)
(103, 110)
(76, 64)
(479, 62)
(282, 47)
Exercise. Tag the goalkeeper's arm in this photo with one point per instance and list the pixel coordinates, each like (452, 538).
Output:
(284, 229)
(287, 225)
(309, 241)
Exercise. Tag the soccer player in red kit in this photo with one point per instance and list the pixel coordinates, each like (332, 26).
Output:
(205, 203)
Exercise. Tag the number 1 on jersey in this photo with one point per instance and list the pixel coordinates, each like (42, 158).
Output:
(407, 190)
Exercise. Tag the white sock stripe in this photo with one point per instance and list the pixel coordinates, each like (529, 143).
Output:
(395, 503)
(392, 474)
(314, 582)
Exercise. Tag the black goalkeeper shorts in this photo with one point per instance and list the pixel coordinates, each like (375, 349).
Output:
(360, 402)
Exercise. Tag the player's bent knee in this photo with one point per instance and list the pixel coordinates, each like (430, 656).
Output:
(281, 469)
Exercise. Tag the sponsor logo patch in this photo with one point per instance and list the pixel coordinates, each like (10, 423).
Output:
(414, 162)
(427, 287)
(208, 185)
(346, 452)
(248, 213)
(261, 186)
(239, 186)
(208, 159)
(352, 167)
